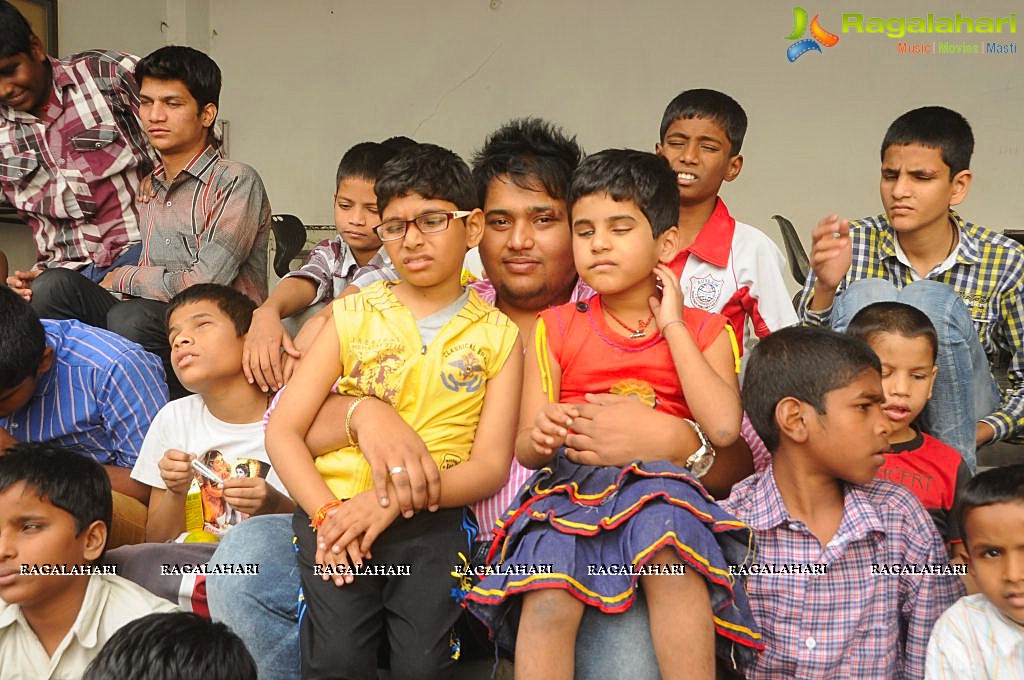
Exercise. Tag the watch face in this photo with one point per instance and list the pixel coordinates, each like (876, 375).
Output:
(700, 464)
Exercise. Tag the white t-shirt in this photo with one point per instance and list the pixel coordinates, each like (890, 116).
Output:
(187, 425)
(972, 640)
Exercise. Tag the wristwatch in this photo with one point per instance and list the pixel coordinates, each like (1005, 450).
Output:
(701, 460)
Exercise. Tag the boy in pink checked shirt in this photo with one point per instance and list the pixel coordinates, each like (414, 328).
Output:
(864, 572)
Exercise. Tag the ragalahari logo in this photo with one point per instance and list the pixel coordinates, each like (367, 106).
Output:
(819, 35)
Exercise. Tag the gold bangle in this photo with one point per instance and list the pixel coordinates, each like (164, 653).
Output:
(321, 514)
(348, 419)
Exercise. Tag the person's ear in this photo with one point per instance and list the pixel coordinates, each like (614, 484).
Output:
(734, 167)
(668, 245)
(208, 115)
(790, 416)
(35, 49)
(95, 540)
(474, 228)
(931, 380)
(960, 185)
(657, 148)
(46, 363)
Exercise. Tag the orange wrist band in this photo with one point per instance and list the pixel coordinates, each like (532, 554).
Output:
(321, 514)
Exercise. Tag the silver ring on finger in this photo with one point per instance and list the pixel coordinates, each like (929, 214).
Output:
(398, 469)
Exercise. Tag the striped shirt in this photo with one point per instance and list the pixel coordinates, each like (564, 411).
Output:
(986, 273)
(73, 172)
(209, 225)
(973, 640)
(331, 266)
(97, 399)
(850, 622)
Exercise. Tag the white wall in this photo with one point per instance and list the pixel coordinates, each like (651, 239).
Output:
(306, 79)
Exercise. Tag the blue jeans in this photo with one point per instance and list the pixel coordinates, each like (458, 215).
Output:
(128, 257)
(964, 390)
(263, 610)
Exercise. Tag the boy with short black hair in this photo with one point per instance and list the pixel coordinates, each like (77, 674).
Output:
(55, 508)
(172, 646)
(206, 327)
(815, 398)
(331, 264)
(964, 277)
(905, 342)
(982, 635)
(451, 366)
(725, 266)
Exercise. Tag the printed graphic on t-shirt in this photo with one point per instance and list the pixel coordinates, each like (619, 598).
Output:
(218, 515)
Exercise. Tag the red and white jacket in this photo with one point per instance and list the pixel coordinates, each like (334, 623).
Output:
(735, 270)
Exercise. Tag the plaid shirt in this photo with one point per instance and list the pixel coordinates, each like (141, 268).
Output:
(210, 225)
(331, 266)
(848, 622)
(72, 173)
(986, 274)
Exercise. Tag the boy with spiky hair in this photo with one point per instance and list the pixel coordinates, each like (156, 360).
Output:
(965, 277)
(55, 509)
(724, 266)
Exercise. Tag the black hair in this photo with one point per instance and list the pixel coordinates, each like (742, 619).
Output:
(628, 175)
(804, 363)
(365, 160)
(998, 485)
(172, 646)
(15, 33)
(709, 105)
(234, 304)
(530, 152)
(195, 69)
(22, 339)
(938, 128)
(429, 170)
(72, 482)
(893, 317)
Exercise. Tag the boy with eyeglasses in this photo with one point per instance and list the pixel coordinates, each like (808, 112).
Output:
(451, 365)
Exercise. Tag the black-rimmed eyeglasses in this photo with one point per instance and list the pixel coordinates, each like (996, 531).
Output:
(427, 223)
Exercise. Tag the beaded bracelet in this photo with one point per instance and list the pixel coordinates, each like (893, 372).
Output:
(320, 515)
(348, 418)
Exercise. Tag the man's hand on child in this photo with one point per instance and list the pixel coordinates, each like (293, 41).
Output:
(831, 252)
(176, 470)
(669, 309)
(261, 355)
(251, 495)
(395, 451)
(551, 427)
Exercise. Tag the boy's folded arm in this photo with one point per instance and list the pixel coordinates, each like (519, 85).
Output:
(488, 465)
(291, 419)
(166, 517)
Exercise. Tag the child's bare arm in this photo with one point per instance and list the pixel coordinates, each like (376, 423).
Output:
(288, 424)
(261, 356)
(535, 441)
(710, 374)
